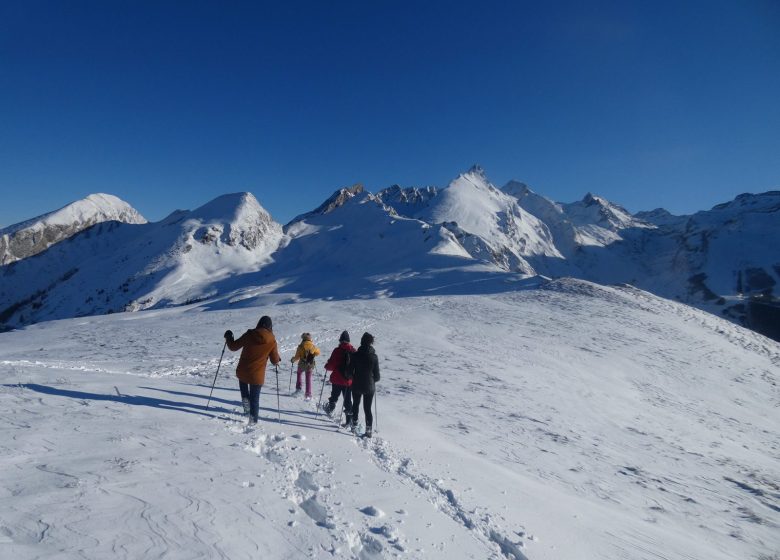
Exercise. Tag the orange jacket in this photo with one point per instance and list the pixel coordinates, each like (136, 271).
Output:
(258, 345)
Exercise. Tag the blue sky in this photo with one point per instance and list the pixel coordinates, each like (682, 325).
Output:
(170, 104)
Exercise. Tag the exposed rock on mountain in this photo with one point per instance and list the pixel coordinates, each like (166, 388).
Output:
(30, 237)
(115, 266)
(357, 244)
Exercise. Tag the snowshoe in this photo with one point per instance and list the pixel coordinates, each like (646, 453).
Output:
(367, 433)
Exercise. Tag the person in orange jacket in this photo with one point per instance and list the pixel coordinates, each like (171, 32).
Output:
(304, 355)
(258, 346)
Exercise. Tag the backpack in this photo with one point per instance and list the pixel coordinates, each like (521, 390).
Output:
(346, 369)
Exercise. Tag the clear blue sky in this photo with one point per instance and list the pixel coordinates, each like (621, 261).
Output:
(170, 104)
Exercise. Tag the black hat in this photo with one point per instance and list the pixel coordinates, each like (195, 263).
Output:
(265, 323)
(367, 339)
(344, 337)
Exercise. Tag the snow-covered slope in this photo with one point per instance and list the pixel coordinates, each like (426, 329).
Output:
(30, 237)
(114, 267)
(362, 248)
(723, 260)
(489, 224)
(593, 221)
(599, 221)
(570, 421)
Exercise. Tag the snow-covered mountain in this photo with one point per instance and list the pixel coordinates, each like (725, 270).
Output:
(336, 200)
(489, 224)
(115, 266)
(30, 237)
(402, 240)
(723, 260)
(363, 248)
(593, 221)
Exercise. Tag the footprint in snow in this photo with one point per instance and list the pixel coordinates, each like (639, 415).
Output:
(305, 481)
(372, 511)
(371, 548)
(317, 512)
(393, 537)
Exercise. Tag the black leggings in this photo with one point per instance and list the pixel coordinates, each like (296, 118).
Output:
(368, 399)
(334, 397)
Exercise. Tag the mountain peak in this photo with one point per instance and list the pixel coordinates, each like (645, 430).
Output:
(477, 170)
(337, 199)
(591, 199)
(228, 205)
(234, 219)
(30, 237)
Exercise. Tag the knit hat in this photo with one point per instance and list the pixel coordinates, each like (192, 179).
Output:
(344, 337)
(367, 339)
(306, 336)
(265, 323)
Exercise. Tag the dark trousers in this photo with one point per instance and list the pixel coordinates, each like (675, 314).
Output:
(252, 394)
(368, 399)
(334, 397)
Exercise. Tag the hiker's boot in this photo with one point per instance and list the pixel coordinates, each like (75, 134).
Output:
(245, 403)
(368, 432)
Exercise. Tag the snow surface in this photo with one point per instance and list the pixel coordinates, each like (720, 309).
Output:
(562, 421)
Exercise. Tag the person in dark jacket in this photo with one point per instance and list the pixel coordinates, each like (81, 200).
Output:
(364, 370)
(341, 384)
(258, 345)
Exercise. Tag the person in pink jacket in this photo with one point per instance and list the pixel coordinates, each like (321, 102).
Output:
(341, 384)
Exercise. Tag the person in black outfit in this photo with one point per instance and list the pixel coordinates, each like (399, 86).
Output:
(364, 369)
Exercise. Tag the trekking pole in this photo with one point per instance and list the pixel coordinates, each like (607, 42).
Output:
(376, 410)
(215, 375)
(289, 387)
(278, 405)
(319, 404)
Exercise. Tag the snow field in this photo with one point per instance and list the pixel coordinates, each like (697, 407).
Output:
(571, 421)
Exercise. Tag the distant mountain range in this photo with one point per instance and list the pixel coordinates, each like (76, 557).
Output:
(100, 256)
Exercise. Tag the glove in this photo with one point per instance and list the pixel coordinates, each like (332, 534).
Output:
(228, 335)
(292, 360)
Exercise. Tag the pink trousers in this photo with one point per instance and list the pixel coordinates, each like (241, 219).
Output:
(308, 380)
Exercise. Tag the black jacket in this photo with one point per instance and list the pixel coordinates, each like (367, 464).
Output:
(364, 367)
